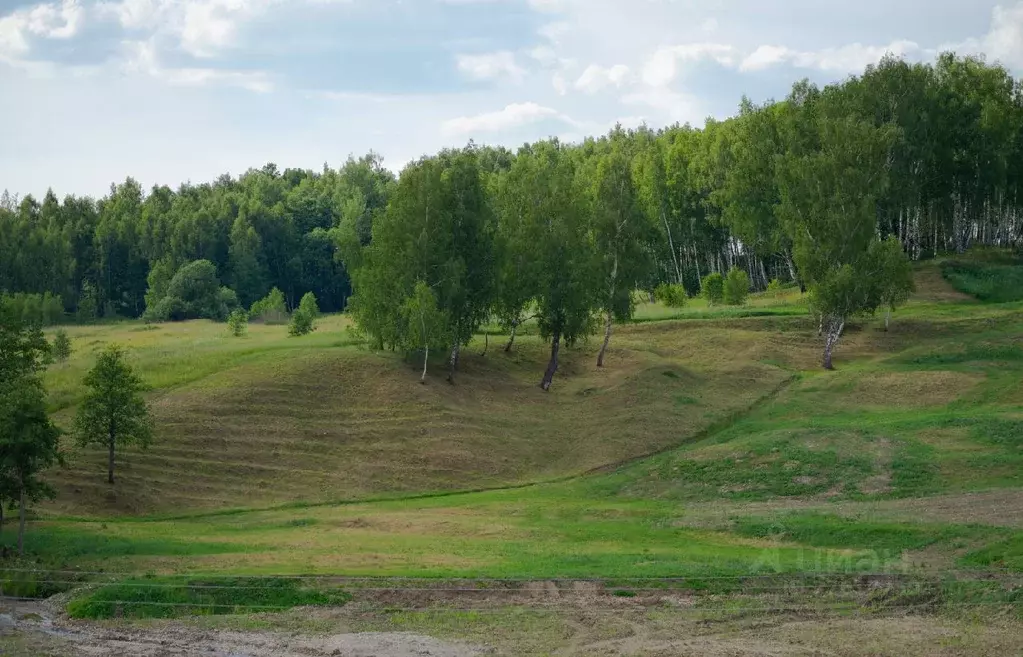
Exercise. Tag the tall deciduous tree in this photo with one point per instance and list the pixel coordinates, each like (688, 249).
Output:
(622, 236)
(29, 441)
(828, 201)
(437, 230)
(543, 193)
(113, 412)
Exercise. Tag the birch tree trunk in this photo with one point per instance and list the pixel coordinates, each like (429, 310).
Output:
(552, 366)
(511, 340)
(426, 359)
(834, 332)
(21, 523)
(455, 349)
(608, 327)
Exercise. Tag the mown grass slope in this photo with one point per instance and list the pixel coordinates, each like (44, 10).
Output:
(267, 419)
(714, 446)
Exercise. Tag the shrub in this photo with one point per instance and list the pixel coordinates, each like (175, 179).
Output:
(271, 309)
(736, 287)
(228, 301)
(774, 287)
(712, 288)
(61, 346)
(308, 305)
(238, 322)
(193, 293)
(671, 295)
(301, 323)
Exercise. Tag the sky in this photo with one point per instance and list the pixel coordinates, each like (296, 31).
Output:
(169, 91)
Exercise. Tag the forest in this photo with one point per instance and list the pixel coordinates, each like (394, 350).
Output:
(826, 189)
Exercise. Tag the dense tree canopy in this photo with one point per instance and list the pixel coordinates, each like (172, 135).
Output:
(808, 189)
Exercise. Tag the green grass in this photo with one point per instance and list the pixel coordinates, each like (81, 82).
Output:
(993, 277)
(1007, 554)
(829, 531)
(710, 446)
(170, 597)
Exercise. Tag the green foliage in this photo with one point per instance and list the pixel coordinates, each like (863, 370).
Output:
(301, 323)
(736, 287)
(712, 288)
(303, 320)
(622, 232)
(88, 309)
(671, 295)
(37, 309)
(29, 441)
(157, 597)
(271, 309)
(113, 411)
(990, 282)
(438, 229)
(194, 292)
(774, 288)
(61, 347)
(309, 305)
(238, 322)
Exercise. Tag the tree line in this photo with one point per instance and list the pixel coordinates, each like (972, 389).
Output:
(825, 188)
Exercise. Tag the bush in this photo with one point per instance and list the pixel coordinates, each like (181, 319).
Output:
(271, 309)
(301, 323)
(61, 346)
(309, 306)
(168, 309)
(193, 293)
(238, 322)
(228, 301)
(671, 295)
(736, 287)
(712, 288)
(774, 288)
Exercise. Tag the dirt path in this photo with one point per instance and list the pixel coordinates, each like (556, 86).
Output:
(34, 630)
(582, 625)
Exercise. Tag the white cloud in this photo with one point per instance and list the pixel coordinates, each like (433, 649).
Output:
(851, 58)
(512, 116)
(1004, 40)
(662, 68)
(202, 28)
(141, 57)
(491, 66)
(559, 84)
(55, 21)
(674, 105)
(545, 55)
(596, 78)
(135, 14)
(47, 20)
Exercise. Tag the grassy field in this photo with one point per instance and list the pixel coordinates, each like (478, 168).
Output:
(711, 447)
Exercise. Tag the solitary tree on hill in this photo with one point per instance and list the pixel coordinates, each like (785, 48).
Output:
(113, 411)
(28, 439)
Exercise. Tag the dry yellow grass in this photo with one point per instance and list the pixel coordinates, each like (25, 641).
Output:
(329, 423)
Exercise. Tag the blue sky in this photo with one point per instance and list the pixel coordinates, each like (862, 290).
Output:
(92, 91)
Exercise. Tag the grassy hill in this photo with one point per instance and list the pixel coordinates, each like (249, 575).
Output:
(706, 442)
(712, 448)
